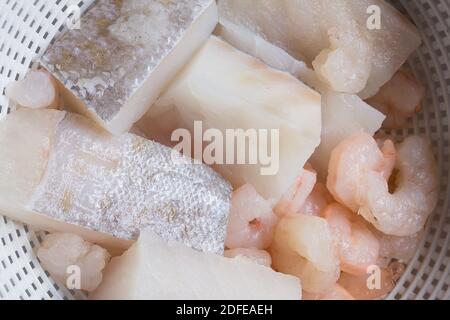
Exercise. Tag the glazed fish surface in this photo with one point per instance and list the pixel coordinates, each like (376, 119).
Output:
(228, 89)
(125, 53)
(155, 269)
(60, 172)
(348, 48)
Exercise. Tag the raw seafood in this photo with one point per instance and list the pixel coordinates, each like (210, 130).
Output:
(154, 269)
(125, 54)
(398, 99)
(333, 36)
(335, 293)
(251, 222)
(373, 285)
(350, 163)
(399, 248)
(261, 257)
(343, 115)
(317, 201)
(303, 246)
(406, 210)
(227, 89)
(36, 90)
(295, 198)
(61, 172)
(59, 252)
(357, 245)
(357, 179)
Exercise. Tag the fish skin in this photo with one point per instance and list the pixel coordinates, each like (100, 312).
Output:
(119, 185)
(104, 67)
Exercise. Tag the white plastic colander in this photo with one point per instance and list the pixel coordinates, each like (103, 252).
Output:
(27, 27)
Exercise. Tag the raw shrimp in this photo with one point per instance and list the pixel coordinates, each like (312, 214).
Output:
(261, 257)
(303, 246)
(405, 212)
(350, 163)
(36, 90)
(398, 99)
(59, 251)
(357, 246)
(317, 201)
(293, 201)
(398, 248)
(368, 287)
(337, 292)
(251, 221)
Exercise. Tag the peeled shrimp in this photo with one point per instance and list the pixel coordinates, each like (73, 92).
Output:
(358, 247)
(261, 257)
(36, 90)
(59, 251)
(251, 221)
(350, 163)
(317, 201)
(293, 201)
(398, 99)
(405, 212)
(367, 287)
(303, 247)
(337, 292)
(398, 248)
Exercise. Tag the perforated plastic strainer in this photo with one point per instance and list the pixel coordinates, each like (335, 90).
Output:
(28, 26)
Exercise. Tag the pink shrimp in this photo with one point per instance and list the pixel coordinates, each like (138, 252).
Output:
(251, 221)
(303, 247)
(349, 165)
(293, 201)
(317, 201)
(358, 247)
(398, 99)
(366, 287)
(337, 292)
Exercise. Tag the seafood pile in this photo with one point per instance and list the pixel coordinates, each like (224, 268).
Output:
(89, 154)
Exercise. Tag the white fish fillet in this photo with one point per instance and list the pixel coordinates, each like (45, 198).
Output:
(125, 53)
(227, 89)
(342, 114)
(333, 36)
(154, 269)
(60, 172)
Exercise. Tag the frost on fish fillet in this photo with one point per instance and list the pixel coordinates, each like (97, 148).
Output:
(227, 89)
(59, 252)
(60, 172)
(332, 35)
(125, 54)
(343, 115)
(155, 269)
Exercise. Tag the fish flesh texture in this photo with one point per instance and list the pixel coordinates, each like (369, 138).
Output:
(228, 89)
(61, 172)
(343, 114)
(156, 269)
(116, 65)
(338, 38)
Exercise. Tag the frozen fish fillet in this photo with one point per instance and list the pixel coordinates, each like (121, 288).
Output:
(125, 53)
(60, 172)
(342, 114)
(227, 89)
(155, 269)
(334, 36)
